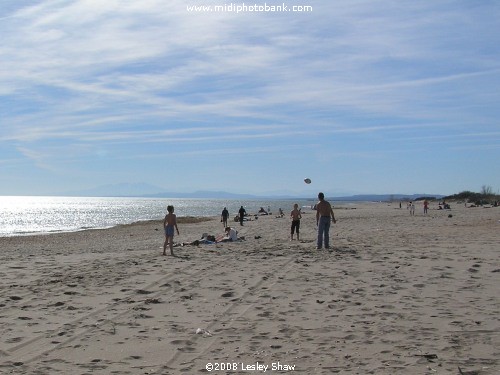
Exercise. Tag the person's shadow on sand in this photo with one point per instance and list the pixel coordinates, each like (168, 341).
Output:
(343, 250)
(185, 257)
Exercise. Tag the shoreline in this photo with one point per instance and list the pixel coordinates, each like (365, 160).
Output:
(396, 294)
(183, 219)
(337, 205)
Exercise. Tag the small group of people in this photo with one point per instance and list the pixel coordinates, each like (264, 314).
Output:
(411, 207)
(240, 217)
(230, 234)
(170, 227)
(324, 218)
(444, 206)
(225, 216)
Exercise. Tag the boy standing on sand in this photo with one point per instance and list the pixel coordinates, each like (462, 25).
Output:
(296, 216)
(324, 215)
(169, 223)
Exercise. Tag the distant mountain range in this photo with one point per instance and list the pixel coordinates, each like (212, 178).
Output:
(151, 191)
(116, 190)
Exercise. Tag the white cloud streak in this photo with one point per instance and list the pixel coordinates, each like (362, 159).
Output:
(137, 72)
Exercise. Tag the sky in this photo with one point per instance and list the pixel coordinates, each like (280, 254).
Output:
(362, 97)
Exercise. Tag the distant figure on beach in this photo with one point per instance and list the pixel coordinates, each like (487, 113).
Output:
(324, 216)
(296, 216)
(169, 224)
(412, 209)
(224, 216)
(426, 206)
(242, 214)
(262, 211)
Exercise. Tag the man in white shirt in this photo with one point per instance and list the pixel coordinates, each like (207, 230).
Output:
(231, 235)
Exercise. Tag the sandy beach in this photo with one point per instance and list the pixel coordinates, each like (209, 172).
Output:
(396, 294)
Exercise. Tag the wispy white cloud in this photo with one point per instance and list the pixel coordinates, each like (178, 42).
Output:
(39, 158)
(93, 74)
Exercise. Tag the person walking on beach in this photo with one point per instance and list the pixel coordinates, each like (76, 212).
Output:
(426, 206)
(224, 216)
(324, 216)
(169, 224)
(242, 213)
(296, 216)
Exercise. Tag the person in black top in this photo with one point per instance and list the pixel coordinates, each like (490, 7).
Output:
(242, 213)
(224, 216)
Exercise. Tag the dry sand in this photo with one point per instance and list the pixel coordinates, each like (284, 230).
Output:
(396, 295)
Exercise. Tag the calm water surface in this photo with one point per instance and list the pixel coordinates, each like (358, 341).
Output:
(32, 215)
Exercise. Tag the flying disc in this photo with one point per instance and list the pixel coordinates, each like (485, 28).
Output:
(307, 180)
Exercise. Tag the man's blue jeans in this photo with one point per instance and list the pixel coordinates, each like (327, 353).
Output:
(324, 232)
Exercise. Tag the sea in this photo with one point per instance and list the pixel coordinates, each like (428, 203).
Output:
(23, 215)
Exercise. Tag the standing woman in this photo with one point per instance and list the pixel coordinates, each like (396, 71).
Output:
(296, 216)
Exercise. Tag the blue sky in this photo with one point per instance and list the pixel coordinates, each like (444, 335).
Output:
(360, 96)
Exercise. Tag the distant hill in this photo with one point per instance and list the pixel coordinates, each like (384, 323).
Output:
(386, 197)
(203, 194)
(477, 198)
(116, 190)
(152, 191)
